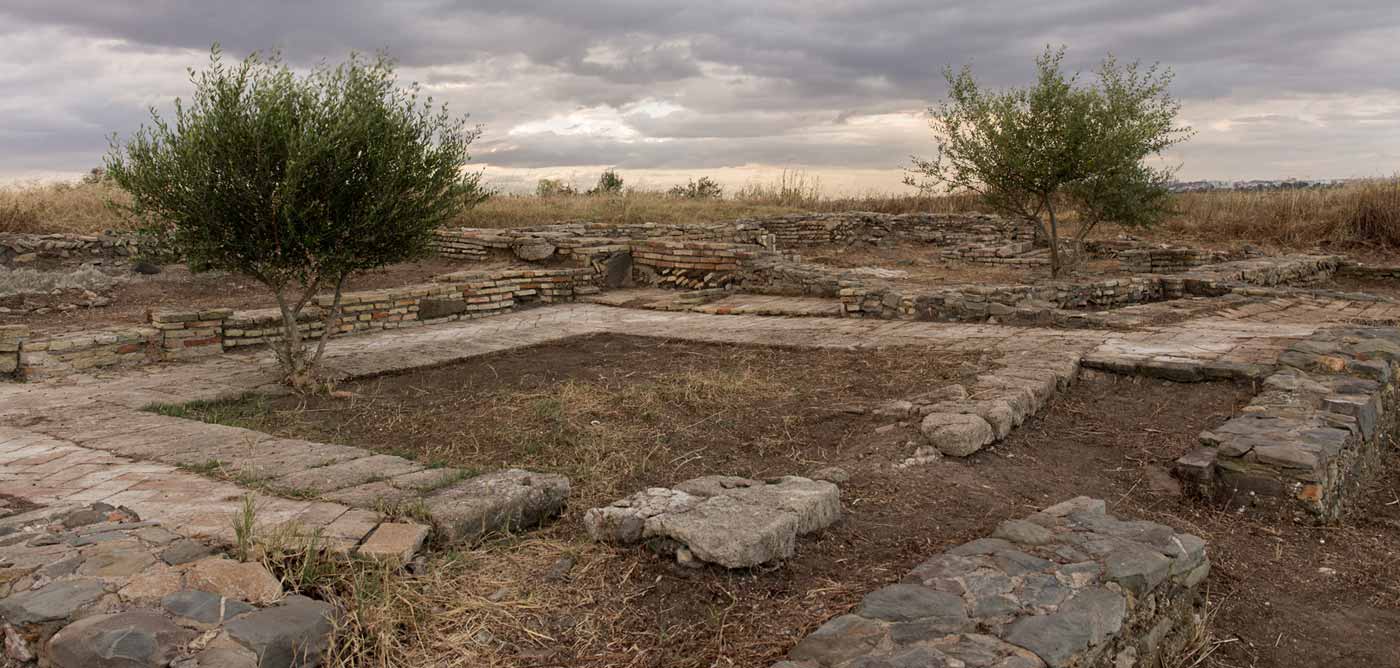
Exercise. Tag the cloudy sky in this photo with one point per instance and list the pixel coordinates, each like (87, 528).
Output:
(735, 89)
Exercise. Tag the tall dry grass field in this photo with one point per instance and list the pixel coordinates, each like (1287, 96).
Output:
(1359, 215)
(1362, 214)
(79, 207)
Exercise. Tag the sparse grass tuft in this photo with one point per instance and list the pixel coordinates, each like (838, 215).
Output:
(241, 412)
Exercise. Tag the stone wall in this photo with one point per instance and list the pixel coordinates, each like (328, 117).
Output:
(1312, 436)
(47, 357)
(177, 335)
(20, 249)
(687, 264)
(1069, 586)
(1038, 303)
(1164, 260)
(974, 303)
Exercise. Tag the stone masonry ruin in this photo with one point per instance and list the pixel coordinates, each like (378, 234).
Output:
(113, 524)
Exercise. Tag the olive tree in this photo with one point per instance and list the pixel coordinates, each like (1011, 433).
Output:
(1059, 144)
(298, 181)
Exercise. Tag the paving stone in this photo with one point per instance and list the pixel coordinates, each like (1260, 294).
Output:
(116, 559)
(184, 551)
(345, 474)
(841, 639)
(511, 498)
(152, 584)
(909, 602)
(54, 601)
(238, 580)
(122, 640)
(394, 542)
(203, 607)
(291, 634)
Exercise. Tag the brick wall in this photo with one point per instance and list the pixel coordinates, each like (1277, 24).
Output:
(180, 335)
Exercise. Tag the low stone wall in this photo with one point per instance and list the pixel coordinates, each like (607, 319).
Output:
(178, 335)
(1068, 587)
(1358, 270)
(556, 242)
(20, 249)
(1312, 436)
(1164, 260)
(971, 302)
(64, 354)
(687, 264)
(1037, 303)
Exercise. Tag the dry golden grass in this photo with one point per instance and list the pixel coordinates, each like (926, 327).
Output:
(1360, 215)
(78, 207)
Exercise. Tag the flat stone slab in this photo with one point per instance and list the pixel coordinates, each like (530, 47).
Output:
(346, 474)
(497, 501)
(1067, 587)
(729, 521)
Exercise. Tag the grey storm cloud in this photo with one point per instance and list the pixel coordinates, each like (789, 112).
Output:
(673, 85)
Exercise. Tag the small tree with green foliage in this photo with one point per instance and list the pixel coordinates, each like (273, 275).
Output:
(554, 188)
(609, 183)
(705, 188)
(299, 181)
(1032, 152)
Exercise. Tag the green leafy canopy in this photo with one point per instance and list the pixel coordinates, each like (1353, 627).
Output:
(298, 180)
(1059, 141)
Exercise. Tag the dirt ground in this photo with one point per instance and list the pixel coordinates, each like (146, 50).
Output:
(176, 287)
(621, 413)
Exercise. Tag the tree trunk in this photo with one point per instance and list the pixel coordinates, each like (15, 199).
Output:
(1054, 233)
(332, 320)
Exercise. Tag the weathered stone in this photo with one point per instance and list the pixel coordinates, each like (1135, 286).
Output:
(1023, 532)
(956, 435)
(725, 520)
(184, 551)
(909, 602)
(203, 607)
(237, 580)
(624, 521)
(533, 250)
(394, 542)
(55, 601)
(291, 634)
(840, 639)
(729, 532)
(153, 583)
(508, 499)
(1137, 568)
(123, 640)
(116, 560)
(1083, 621)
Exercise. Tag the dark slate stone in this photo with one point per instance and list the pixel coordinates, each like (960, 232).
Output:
(1137, 567)
(124, 640)
(439, 308)
(1085, 620)
(184, 551)
(906, 602)
(291, 634)
(840, 639)
(93, 514)
(57, 600)
(915, 657)
(204, 607)
(618, 269)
